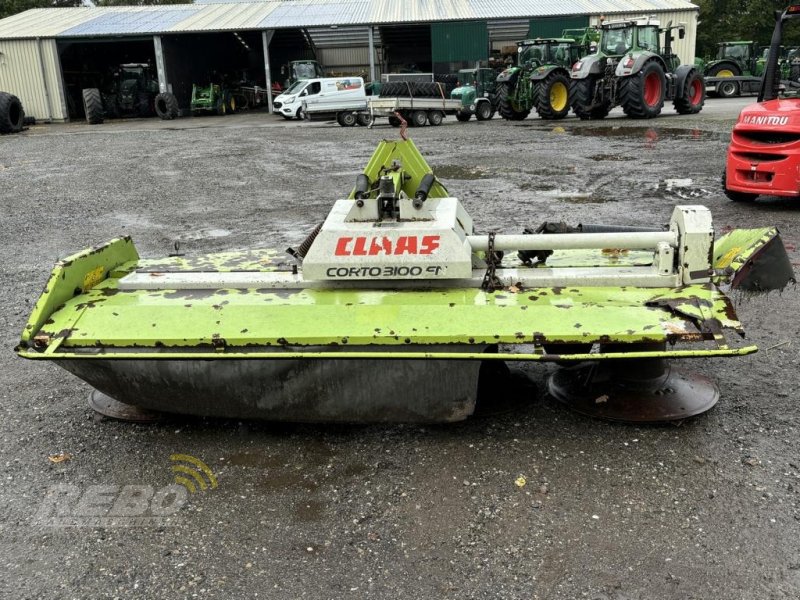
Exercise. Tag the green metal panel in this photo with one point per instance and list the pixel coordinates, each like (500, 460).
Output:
(552, 27)
(464, 41)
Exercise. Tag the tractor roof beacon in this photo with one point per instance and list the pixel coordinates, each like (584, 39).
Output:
(764, 153)
(631, 70)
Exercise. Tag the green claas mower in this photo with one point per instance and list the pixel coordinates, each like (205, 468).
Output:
(212, 99)
(477, 91)
(396, 307)
(540, 79)
(631, 70)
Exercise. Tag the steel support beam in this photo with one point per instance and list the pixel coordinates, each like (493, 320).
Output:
(371, 54)
(266, 38)
(161, 66)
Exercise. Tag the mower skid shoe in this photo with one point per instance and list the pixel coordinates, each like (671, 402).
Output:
(753, 260)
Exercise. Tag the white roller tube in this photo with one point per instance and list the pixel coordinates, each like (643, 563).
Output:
(576, 241)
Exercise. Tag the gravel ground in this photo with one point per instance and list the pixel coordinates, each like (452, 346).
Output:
(609, 511)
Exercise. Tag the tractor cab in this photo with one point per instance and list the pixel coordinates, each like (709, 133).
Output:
(554, 51)
(620, 37)
(300, 70)
(482, 80)
(740, 51)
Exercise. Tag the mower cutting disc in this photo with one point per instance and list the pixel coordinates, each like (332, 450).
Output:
(114, 409)
(645, 391)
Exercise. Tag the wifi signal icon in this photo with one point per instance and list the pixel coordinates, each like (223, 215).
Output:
(195, 474)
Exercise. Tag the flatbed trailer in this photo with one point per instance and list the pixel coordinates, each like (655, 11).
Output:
(743, 85)
(416, 111)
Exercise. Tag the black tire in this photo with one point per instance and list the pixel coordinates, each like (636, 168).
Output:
(93, 106)
(242, 103)
(364, 119)
(12, 117)
(166, 106)
(694, 95)
(346, 119)
(394, 121)
(733, 195)
(415, 89)
(463, 116)
(483, 112)
(543, 96)
(715, 70)
(222, 107)
(638, 95)
(727, 89)
(581, 94)
(506, 108)
(435, 117)
(231, 103)
(418, 118)
(794, 72)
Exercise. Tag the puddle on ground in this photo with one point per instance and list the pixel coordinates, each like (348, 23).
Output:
(201, 234)
(649, 134)
(573, 197)
(684, 188)
(445, 172)
(611, 157)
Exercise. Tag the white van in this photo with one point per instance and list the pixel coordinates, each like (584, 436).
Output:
(290, 103)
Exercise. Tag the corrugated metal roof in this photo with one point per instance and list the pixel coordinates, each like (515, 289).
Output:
(280, 14)
(134, 21)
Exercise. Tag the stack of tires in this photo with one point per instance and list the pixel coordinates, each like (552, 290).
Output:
(12, 117)
(413, 89)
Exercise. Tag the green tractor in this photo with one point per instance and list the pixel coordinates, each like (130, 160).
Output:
(212, 99)
(130, 91)
(300, 70)
(540, 78)
(631, 70)
(735, 59)
(477, 92)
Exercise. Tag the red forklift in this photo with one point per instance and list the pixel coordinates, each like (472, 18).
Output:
(764, 153)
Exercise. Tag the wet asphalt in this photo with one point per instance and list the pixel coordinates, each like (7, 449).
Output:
(707, 509)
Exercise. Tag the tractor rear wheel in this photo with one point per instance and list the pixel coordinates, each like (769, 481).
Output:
(582, 96)
(12, 117)
(93, 106)
(463, 116)
(642, 95)
(734, 195)
(724, 70)
(484, 111)
(506, 107)
(166, 106)
(551, 96)
(693, 97)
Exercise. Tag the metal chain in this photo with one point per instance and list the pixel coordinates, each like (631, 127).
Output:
(490, 280)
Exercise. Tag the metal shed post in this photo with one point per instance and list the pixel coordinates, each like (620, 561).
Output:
(371, 54)
(266, 38)
(161, 67)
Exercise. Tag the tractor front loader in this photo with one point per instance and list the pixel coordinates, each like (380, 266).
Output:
(631, 70)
